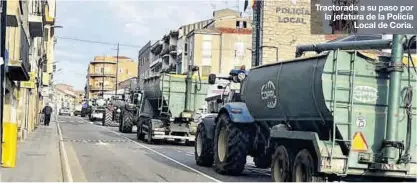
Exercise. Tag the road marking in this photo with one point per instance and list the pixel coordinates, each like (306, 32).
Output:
(167, 157)
(64, 154)
(78, 169)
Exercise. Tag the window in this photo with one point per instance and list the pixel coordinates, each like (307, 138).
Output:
(102, 70)
(120, 70)
(207, 49)
(238, 24)
(205, 70)
(245, 25)
(46, 34)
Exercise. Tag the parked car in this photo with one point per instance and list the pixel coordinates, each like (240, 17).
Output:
(78, 109)
(64, 111)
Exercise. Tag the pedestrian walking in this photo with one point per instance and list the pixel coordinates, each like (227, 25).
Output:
(47, 111)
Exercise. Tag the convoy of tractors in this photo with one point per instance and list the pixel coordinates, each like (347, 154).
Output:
(339, 115)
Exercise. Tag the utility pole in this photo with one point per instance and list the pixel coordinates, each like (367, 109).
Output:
(117, 67)
(102, 78)
(2, 67)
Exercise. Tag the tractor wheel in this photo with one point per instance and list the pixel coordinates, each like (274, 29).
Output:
(230, 147)
(203, 148)
(303, 169)
(126, 123)
(280, 169)
(139, 131)
(263, 161)
(107, 120)
(149, 139)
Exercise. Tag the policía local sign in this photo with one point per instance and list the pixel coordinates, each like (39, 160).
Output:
(292, 11)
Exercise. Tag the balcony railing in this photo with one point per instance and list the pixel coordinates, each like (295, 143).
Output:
(102, 74)
(19, 69)
(99, 88)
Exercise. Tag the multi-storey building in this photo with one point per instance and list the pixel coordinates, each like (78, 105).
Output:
(29, 24)
(64, 97)
(222, 45)
(104, 72)
(167, 54)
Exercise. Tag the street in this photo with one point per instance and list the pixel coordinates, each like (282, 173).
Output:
(96, 153)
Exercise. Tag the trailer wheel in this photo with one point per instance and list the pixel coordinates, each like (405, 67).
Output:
(126, 123)
(280, 169)
(303, 170)
(203, 151)
(230, 147)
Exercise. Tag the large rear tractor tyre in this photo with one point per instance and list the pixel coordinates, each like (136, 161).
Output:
(108, 115)
(303, 169)
(230, 147)
(126, 124)
(281, 165)
(203, 148)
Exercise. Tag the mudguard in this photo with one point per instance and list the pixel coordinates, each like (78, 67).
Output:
(209, 125)
(238, 112)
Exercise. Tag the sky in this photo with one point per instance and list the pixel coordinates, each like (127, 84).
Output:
(129, 22)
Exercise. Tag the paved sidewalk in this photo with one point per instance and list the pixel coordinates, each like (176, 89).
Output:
(38, 157)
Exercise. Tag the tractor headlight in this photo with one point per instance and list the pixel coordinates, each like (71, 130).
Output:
(241, 76)
(118, 110)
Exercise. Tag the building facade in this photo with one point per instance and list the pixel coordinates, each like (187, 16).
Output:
(274, 34)
(222, 45)
(216, 45)
(104, 73)
(27, 55)
(167, 54)
(64, 97)
(144, 61)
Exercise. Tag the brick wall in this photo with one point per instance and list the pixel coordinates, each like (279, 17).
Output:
(277, 31)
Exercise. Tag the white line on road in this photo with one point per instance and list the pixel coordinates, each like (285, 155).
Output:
(163, 155)
(64, 154)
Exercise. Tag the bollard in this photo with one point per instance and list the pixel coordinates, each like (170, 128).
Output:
(9, 144)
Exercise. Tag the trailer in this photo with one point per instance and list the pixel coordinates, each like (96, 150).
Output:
(336, 116)
(166, 107)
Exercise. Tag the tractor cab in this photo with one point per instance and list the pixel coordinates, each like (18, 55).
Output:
(231, 91)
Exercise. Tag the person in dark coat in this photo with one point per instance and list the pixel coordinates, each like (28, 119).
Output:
(47, 111)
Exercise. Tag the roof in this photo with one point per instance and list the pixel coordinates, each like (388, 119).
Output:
(112, 57)
(234, 31)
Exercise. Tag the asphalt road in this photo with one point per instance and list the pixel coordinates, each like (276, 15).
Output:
(102, 154)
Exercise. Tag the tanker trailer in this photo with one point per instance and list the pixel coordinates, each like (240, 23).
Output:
(339, 115)
(168, 107)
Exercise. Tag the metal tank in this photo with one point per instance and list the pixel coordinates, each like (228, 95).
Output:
(172, 89)
(271, 93)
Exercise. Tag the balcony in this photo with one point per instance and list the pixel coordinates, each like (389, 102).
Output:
(174, 33)
(36, 24)
(103, 61)
(102, 75)
(155, 63)
(12, 14)
(18, 69)
(99, 88)
(47, 15)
